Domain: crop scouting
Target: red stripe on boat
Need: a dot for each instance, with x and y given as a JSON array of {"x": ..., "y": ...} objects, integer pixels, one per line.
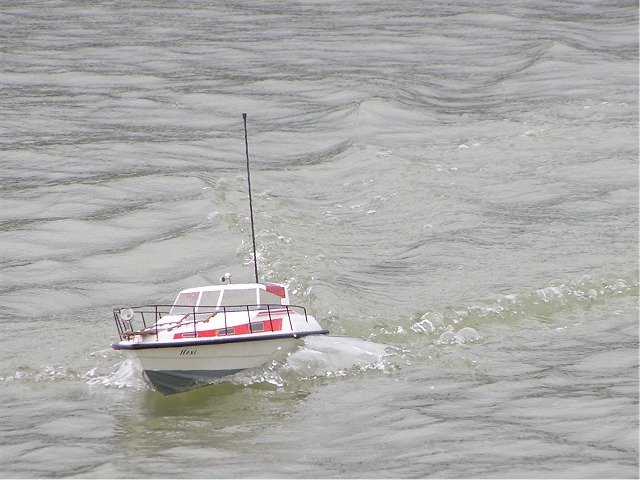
[
  {"x": 277, "y": 290},
  {"x": 273, "y": 325}
]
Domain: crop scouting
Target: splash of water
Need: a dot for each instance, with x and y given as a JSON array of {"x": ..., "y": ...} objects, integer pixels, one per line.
[
  {"x": 324, "y": 357},
  {"x": 128, "y": 375}
]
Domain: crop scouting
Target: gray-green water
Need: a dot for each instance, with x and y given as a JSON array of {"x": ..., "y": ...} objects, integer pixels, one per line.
[{"x": 450, "y": 187}]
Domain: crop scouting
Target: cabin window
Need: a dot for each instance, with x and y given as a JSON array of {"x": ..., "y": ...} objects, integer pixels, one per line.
[
  {"x": 268, "y": 298},
  {"x": 209, "y": 300},
  {"x": 185, "y": 303},
  {"x": 239, "y": 297},
  {"x": 227, "y": 331},
  {"x": 257, "y": 327}
]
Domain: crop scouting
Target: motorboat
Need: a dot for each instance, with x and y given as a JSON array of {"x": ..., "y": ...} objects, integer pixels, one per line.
[{"x": 213, "y": 331}]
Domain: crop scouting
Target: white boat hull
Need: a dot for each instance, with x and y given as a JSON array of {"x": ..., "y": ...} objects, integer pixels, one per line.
[{"x": 175, "y": 369}]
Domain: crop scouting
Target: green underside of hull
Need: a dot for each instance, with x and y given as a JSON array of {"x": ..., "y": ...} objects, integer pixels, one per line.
[{"x": 170, "y": 382}]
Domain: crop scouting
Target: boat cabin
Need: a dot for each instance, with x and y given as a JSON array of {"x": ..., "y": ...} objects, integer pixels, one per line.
[{"x": 229, "y": 296}]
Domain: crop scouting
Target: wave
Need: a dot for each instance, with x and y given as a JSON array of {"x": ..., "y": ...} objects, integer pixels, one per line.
[{"x": 463, "y": 324}]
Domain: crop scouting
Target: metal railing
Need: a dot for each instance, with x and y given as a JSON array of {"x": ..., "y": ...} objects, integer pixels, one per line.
[{"x": 148, "y": 319}]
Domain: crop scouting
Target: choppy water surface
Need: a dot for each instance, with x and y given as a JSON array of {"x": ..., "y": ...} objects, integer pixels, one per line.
[{"x": 451, "y": 188}]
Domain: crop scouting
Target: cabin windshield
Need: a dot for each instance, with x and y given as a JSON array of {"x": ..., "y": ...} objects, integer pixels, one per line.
[
  {"x": 185, "y": 303},
  {"x": 209, "y": 300},
  {"x": 247, "y": 296}
]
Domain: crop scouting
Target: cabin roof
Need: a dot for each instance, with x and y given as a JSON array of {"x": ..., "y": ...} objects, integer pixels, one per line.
[{"x": 233, "y": 286}]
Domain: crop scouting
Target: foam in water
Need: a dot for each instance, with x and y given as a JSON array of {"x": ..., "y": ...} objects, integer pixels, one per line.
[
  {"x": 464, "y": 335},
  {"x": 45, "y": 373}
]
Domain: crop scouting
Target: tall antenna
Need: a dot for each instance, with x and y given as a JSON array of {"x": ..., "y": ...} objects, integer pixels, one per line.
[{"x": 253, "y": 232}]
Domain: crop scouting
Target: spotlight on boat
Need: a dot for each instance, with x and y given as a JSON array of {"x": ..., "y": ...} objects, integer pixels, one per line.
[
  {"x": 226, "y": 278},
  {"x": 126, "y": 314}
]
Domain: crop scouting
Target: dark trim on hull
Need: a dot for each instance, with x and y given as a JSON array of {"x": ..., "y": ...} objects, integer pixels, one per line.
[
  {"x": 214, "y": 341},
  {"x": 170, "y": 382}
]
